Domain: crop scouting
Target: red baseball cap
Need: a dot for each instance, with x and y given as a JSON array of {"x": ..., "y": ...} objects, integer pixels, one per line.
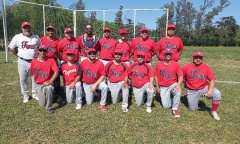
[
  {"x": 118, "y": 51},
  {"x": 70, "y": 51},
  {"x": 198, "y": 53},
  {"x": 123, "y": 31},
  {"x": 50, "y": 27},
  {"x": 68, "y": 30},
  {"x": 26, "y": 24},
  {"x": 43, "y": 47},
  {"x": 167, "y": 51},
  {"x": 91, "y": 50},
  {"x": 106, "y": 29},
  {"x": 141, "y": 53},
  {"x": 144, "y": 29},
  {"x": 171, "y": 26}
]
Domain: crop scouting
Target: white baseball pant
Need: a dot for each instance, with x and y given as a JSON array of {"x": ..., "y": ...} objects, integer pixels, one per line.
[
  {"x": 76, "y": 92},
  {"x": 45, "y": 95},
  {"x": 139, "y": 92}
]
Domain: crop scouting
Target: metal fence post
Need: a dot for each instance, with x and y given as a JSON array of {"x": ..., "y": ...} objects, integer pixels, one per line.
[{"x": 5, "y": 29}]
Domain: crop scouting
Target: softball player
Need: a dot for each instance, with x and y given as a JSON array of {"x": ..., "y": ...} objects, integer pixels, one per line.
[
  {"x": 27, "y": 45},
  {"x": 93, "y": 78},
  {"x": 71, "y": 72},
  {"x": 200, "y": 81},
  {"x": 117, "y": 73},
  {"x": 142, "y": 80},
  {"x": 45, "y": 71},
  {"x": 168, "y": 77}
]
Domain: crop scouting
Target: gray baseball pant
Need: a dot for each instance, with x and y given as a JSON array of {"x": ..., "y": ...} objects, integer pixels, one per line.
[
  {"x": 193, "y": 97},
  {"x": 167, "y": 100},
  {"x": 115, "y": 93},
  {"x": 139, "y": 92},
  {"x": 45, "y": 95},
  {"x": 90, "y": 95},
  {"x": 24, "y": 72},
  {"x": 72, "y": 93}
]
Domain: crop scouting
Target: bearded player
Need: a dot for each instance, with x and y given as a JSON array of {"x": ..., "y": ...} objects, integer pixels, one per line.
[{"x": 200, "y": 81}]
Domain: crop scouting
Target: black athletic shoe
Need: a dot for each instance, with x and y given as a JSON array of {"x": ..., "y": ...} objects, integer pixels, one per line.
[
  {"x": 50, "y": 111},
  {"x": 61, "y": 101}
]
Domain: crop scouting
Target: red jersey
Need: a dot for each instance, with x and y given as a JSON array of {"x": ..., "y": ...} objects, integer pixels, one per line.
[
  {"x": 43, "y": 71},
  {"x": 91, "y": 72},
  {"x": 148, "y": 46},
  {"x": 125, "y": 47},
  {"x": 167, "y": 74},
  {"x": 66, "y": 44},
  {"x": 87, "y": 42},
  {"x": 70, "y": 72},
  {"x": 197, "y": 76},
  {"x": 52, "y": 46},
  {"x": 140, "y": 74},
  {"x": 116, "y": 73},
  {"x": 106, "y": 47},
  {"x": 175, "y": 44}
]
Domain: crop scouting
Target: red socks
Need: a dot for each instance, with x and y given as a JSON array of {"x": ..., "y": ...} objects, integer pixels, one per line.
[{"x": 215, "y": 104}]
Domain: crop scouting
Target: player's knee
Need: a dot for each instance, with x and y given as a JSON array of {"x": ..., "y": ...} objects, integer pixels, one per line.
[
  {"x": 217, "y": 95},
  {"x": 166, "y": 106},
  {"x": 192, "y": 108}
]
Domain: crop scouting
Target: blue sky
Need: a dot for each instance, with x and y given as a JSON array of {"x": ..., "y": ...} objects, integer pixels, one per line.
[{"x": 232, "y": 10}]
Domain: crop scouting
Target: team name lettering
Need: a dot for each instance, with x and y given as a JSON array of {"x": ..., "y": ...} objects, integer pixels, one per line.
[
  {"x": 141, "y": 47},
  {"x": 114, "y": 73},
  {"x": 193, "y": 74},
  {"x": 69, "y": 72},
  {"x": 106, "y": 46},
  {"x": 69, "y": 46},
  {"x": 41, "y": 74},
  {"x": 27, "y": 46},
  {"x": 52, "y": 50},
  {"x": 88, "y": 73},
  {"x": 164, "y": 74},
  {"x": 169, "y": 45},
  {"x": 137, "y": 74},
  {"x": 124, "y": 52}
]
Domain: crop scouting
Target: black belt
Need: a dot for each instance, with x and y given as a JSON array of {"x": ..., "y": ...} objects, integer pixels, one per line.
[
  {"x": 148, "y": 61},
  {"x": 27, "y": 60},
  {"x": 107, "y": 59}
]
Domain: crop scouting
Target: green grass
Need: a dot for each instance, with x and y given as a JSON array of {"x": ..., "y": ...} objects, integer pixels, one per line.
[{"x": 29, "y": 123}]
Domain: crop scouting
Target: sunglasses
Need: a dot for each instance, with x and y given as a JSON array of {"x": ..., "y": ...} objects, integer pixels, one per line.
[
  {"x": 88, "y": 28},
  {"x": 71, "y": 55},
  {"x": 198, "y": 57},
  {"x": 92, "y": 53},
  {"x": 42, "y": 50},
  {"x": 69, "y": 32}
]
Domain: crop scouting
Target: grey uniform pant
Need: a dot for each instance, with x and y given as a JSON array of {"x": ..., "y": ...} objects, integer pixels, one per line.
[
  {"x": 90, "y": 95},
  {"x": 193, "y": 97},
  {"x": 169, "y": 97},
  {"x": 24, "y": 72},
  {"x": 74, "y": 93},
  {"x": 45, "y": 95},
  {"x": 115, "y": 93},
  {"x": 139, "y": 92}
]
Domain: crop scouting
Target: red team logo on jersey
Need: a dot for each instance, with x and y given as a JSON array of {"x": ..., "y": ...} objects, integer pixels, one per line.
[
  {"x": 141, "y": 47},
  {"x": 164, "y": 74},
  {"x": 169, "y": 45},
  {"x": 88, "y": 73},
  {"x": 104, "y": 45},
  {"x": 193, "y": 74},
  {"x": 65, "y": 72},
  {"x": 27, "y": 46},
  {"x": 40, "y": 73}
]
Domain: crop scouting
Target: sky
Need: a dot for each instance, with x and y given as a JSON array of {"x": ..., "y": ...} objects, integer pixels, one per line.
[{"x": 231, "y": 10}]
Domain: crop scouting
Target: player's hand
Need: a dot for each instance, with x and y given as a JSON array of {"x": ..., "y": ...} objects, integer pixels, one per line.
[
  {"x": 72, "y": 85},
  {"x": 125, "y": 85},
  {"x": 47, "y": 83},
  {"x": 158, "y": 89},
  {"x": 150, "y": 86},
  {"x": 177, "y": 88},
  {"x": 209, "y": 93},
  {"x": 93, "y": 88}
]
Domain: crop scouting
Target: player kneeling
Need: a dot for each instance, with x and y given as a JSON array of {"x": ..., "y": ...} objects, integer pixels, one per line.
[
  {"x": 142, "y": 80},
  {"x": 93, "y": 77},
  {"x": 168, "y": 76},
  {"x": 45, "y": 71},
  {"x": 116, "y": 71},
  {"x": 200, "y": 81},
  {"x": 71, "y": 72}
]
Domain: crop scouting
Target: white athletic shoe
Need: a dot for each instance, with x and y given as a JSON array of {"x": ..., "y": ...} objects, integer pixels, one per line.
[
  {"x": 125, "y": 109},
  {"x": 215, "y": 115},
  {"x": 79, "y": 106},
  {"x": 149, "y": 109},
  {"x": 35, "y": 96},
  {"x": 25, "y": 100}
]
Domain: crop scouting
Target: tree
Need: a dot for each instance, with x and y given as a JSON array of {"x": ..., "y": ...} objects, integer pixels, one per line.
[{"x": 118, "y": 19}]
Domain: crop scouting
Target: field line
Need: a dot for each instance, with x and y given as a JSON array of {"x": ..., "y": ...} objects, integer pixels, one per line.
[{"x": 230, "y": 82}]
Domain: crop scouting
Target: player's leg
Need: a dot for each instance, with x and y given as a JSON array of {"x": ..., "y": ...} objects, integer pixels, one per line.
[
  {"x": 49, "y": 98},
  {"x": 176, "y": 97},
  {"x": 23, "y": 67},
  {"x": 138, "y": 93},
  {"x": 69, "y": 94},
  {"x": 114, "y": 88},
  {"x": 89, "y": 95},
  {"x": 165, "y": 97},
  {"x": 41, "y": 95},
  {"x": 125, "y": 94},
  {"x": 150, "y": 93},
  {"x": 78, "y": 89},
  {"x": 104, "y": 88},
  {"x": 193, "y": 98}
]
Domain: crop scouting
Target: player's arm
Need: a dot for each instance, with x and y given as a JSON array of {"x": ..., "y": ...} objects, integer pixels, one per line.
[
  {"x": 181, "y": 47},
  {"x": 211, "y": 86},
  {"x": 178, "y": 86},
  {"x": 125, "y": 83},
  {"x": 94, "y": 86},
  {"x": 50, "y": 82},
  {"x": 157, "y": 86},
  {"x": 72, "y": 85},
  {"x": 13, "y": 51},
  {"x": 151, "y": 83}
]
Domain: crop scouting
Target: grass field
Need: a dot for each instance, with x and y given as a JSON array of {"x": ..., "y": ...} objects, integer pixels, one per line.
[{"x": 29, "y": 123}]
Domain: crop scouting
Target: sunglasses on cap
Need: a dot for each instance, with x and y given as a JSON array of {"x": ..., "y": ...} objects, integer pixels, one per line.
[
  {"x": 42, "y": 50},
  {"x": 92, "y": 53},
  {"x": 88, "y": 29}
]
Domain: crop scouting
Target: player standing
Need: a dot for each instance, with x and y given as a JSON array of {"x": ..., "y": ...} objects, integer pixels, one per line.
[
  {"x": 200, "y": 81},
  {"x": 117, "y": 73},
  {"x": 168, "y": 77},
  {"x": 93, "y": 78},
  {"x": 142, "y": 80},
  {"x": 171, "y": 42},
  {"x": 71, "y": 72},
  {"x": 45, "y": 71},
  {"x": 145, "y": 44},
  {"x": 27, "y": 45}
]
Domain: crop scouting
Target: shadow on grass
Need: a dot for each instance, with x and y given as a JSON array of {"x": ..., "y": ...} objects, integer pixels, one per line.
[{"x": 201, "y": 105}]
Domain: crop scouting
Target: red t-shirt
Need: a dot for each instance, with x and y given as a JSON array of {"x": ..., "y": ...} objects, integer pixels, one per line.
[
  {"x": 43, "y": 71},
  {"x": 106, "y": 47},
  {"x": 197, "y": 77},
  {"x": 70, "y": 72},
  {"x": 148, "y": 46},
  {"x": 91, "y": 72},
  {"x": 52, "y": 46},
  {"x": 140, "y": 74},
  {"x": 167, "y": 74},
  {"x": 84, "y": 47},
  {"x": 175, "y": 44},
  {"x": 125, "y": 47},
  {"x": 116, "y": 73},
  {"x": 66, "y": 44}
]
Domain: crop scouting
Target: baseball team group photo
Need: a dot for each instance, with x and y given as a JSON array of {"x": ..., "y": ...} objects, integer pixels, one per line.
[{"x": 130, "y": 83}]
